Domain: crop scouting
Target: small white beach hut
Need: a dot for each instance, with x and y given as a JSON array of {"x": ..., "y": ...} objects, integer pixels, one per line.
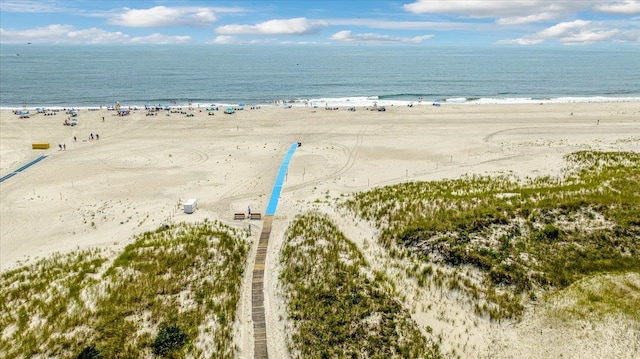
[{"x": 190, "y": 205}]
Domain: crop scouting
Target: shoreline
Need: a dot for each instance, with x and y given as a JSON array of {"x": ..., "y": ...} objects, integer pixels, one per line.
[{"x": 348, "y": 101}]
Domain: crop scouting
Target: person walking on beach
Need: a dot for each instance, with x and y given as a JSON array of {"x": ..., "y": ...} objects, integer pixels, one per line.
[
  {"x": 97, "y": 136},
  {"x": 64, "y": 146},
  {"x": 75, "y": 139},
  {"x": 249, "y": 210}
]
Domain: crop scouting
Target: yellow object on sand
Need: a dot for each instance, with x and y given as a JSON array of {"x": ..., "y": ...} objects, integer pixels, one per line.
[{"x": 40, "y": 146}]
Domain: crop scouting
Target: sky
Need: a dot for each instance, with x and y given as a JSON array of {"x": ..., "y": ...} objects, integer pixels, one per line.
[{"x": 408, "y": 22}]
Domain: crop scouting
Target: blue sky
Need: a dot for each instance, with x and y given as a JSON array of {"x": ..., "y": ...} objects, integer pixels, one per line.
[{"x": 410, "y": 22}]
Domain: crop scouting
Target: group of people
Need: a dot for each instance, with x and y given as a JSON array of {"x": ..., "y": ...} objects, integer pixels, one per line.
[
  {"x": 91, "y": 137},
  {"x": 63, "y": 146}
]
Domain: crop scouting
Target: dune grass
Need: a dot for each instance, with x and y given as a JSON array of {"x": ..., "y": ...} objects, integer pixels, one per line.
[
  {"x": 522, "y": 236},
  {"x": 598, "y": 296},
  {"x": 42, "y": 306},
  {"x": 338, "y": 308},
  {"x": 183, "y": 278}
]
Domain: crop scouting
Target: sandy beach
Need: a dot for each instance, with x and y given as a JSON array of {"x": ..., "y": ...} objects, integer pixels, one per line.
[{"x": 100, "y": 192}]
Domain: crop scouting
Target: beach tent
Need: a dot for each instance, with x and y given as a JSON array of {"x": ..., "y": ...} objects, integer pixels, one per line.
[{"x": 229, "y": 110}]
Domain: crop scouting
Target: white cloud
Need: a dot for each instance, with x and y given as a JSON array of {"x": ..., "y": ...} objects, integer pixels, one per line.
[
  {"x": 410, "y": 25},
  {"x": 156, "y": 38},
  {"x": 493, "y": 8},
  {"x": 527, "y": 40},
  {"x": 224, "y": 39},
  {"x": 510, "y": 12},
  {"x": 564, "y": 29},
  {"x": 518, "y": 20},
  {"x": 370, "y": 38},
  {"x": 301, "y": 43},
  {"x": 67, "y": 34},
  {"x": 517, "y": 12},
  {"x": 578, "y": 32},
  {"x": 296, "y": 26},
  {"x": 628, "y": 7},
  {"x": 29, "y": 6},
  {"x": 162, "y": 16}
]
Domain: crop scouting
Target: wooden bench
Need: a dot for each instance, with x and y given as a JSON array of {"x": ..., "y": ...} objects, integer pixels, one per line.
[
  {"x": 256, "y": 216},
  {"x": 238, "y": 216}
]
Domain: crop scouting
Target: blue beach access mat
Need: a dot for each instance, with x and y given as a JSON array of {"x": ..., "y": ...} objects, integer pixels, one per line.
[
  {"x": 6, "y": 177},
  {"x": 277, "y": 186}
]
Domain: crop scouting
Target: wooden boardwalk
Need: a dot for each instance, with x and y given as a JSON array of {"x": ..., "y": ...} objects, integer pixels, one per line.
[
  {"x": 257, "y": 283},
  {"x": 257, "y": 294}
]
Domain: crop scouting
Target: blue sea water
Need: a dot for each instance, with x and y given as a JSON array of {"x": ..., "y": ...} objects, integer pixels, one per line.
[{"x": 135, "y": 75}]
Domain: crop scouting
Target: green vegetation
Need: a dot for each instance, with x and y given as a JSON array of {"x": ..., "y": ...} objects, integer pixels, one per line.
[
  {"x": 90, "y": 352},
  {"x": 179, "y": 284},
  {"x": 337, "y": 306},
  {"x": 170, "y": 339},
  {"x": 523, "y": 237},
  {"x": 598, "y": 296},
  {"x": 42, "y": 306}
]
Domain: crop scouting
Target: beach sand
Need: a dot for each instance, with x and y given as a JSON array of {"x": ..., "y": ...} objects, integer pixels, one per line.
[{"x": 98, "y": 193}]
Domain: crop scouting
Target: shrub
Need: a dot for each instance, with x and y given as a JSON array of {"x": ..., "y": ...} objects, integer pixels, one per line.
[
  {"x": 549, "y": 233},
  {"x": 89, "y": 352},
  {"x": 170, "y": 338}
]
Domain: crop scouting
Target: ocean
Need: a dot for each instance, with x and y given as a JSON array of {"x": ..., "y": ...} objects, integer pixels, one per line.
[{"x": 139, "y": 75}]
